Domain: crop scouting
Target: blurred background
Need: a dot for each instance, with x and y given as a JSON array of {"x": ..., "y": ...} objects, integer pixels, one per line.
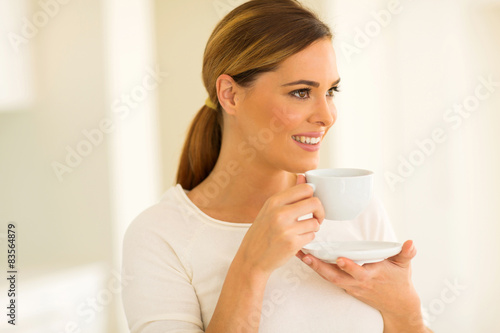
[{"x": 96, "y": 98}]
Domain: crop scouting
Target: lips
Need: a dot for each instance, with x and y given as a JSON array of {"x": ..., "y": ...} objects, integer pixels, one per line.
[{"x": 309, "y": 141}]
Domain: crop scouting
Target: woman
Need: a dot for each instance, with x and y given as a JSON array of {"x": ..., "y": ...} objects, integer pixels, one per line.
[{"x": 221, "y": 252}]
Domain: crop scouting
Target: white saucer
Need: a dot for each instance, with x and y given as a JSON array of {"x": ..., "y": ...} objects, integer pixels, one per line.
[{"x": 361, "y": 252}]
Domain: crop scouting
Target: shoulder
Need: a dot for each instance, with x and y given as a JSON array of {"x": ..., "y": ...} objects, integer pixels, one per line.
[{"x": 169, "y": 219}]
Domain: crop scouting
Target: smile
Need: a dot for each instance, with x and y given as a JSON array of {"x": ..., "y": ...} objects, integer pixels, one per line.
[{"x": 307, "y": 140}]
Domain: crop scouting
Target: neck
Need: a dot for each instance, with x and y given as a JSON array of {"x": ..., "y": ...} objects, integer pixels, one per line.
[{"x": 240, "y": 186}]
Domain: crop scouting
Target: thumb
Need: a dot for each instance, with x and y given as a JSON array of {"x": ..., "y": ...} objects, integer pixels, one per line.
[
  {"x": 301, "y": 179},
  {"x": 408, "y": 252}
]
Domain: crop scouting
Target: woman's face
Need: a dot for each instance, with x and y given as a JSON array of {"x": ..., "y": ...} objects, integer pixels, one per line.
[{"x": 283, "y": 117}]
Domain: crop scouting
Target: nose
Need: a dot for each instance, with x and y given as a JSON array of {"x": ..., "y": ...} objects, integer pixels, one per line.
[{"x": 325, "y": 112}]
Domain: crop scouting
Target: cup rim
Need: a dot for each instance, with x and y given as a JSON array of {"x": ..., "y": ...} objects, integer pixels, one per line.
[{"x": 363, "y": 173}]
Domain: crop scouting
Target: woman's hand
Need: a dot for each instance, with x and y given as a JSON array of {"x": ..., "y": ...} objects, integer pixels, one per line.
[
  {"x": 276, "y": 234},
  {"x": 385, "y": 285}
]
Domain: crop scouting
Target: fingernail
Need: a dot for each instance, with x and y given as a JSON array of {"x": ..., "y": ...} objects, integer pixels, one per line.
[
  {"x": 307, "y": 260},
  {"x": 340, "y": 263}
]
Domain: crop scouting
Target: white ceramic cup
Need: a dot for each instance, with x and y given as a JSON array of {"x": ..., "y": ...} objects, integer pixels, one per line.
[{"x": 344, "y": 193}]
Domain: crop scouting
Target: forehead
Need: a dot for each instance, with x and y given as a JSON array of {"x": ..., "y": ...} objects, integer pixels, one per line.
[{"x": 316, "y": 62}]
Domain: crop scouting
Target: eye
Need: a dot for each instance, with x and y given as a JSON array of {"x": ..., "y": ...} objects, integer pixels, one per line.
[
  {"x": 301, "y": 93},
  {"x": 332, "y": 90}
]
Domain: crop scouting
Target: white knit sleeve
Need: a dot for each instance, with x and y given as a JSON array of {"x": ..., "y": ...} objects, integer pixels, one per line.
[{"x": 158, "y": 296}]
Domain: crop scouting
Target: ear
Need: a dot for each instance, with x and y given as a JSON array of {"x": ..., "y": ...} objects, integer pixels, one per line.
[{"x": 227, "y": 90}]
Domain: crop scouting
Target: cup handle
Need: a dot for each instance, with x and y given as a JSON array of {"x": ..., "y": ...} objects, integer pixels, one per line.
[{"x": 313, "y": 186}]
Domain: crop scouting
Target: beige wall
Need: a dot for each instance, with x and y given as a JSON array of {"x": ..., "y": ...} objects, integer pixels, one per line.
[
  {"x": 59, "y": 219},
  {"x": 396, "y": 92},
  {"x": 182, "y": 29},
  {"x": 63, "y": 224}
]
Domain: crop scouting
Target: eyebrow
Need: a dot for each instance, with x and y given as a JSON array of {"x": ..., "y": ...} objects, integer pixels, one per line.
[{"x": 308, "y": 82}]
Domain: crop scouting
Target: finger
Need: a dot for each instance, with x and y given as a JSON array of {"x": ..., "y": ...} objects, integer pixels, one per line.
[
  {"x": 306, "y": 226},
  {"x": 307, "y": 206},
  {"x": 306, "y": 238},
  {"x": 293, "y": 194},
  {"x": 300, "y": 254},
  {"x": 408, "y": 252},
  {"x": 350, "y": 267},
  {"x": 329, "y": 272},
  {"x": 301, "y": 179}
]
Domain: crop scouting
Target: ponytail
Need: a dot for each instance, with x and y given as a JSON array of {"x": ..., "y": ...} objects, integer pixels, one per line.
[{"x": 201, "y": 148}]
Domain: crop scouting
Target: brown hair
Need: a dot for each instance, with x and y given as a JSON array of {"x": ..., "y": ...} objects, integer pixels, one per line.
[{"x": 252, "y": 39}]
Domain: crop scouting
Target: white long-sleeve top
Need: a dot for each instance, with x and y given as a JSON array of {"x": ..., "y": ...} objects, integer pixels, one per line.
[{"x": 176, "y": 258}]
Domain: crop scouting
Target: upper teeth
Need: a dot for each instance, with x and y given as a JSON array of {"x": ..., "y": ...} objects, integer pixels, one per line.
[{"x": 306, "y": 139}]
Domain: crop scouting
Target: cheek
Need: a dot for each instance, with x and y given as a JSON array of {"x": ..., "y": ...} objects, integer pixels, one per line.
[{"x": 286, "y": 118}]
